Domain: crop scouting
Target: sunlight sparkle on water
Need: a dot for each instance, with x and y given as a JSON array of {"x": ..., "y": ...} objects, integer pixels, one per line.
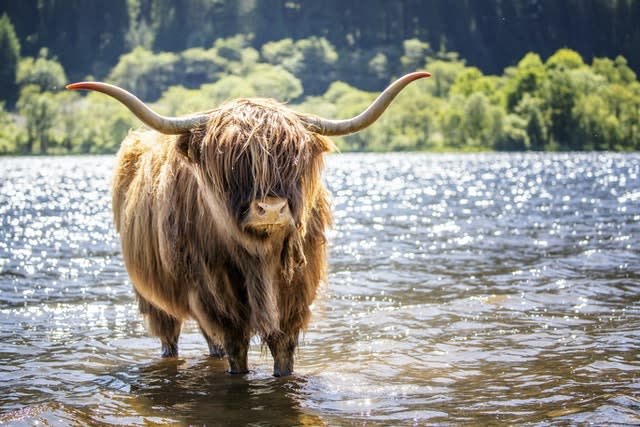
[{"x": 482, "y": 289}]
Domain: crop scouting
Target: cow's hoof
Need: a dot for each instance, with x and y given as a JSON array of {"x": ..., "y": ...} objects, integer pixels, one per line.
[
  {"x": 217, "y": 352},
  {"x": 238, "y": 372},
  {"x": 282, "y": 372},
  {"x": 169, "y": 350}
]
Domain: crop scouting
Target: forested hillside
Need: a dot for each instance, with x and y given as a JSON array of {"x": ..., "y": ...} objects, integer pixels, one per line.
[
  {"x": 88, "y": 37},
  {"x": 508, "y": 75}
]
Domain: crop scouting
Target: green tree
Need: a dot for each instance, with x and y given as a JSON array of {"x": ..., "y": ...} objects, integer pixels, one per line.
[
  {"x": 451, "y": 123},
  {"x": 476, "y": 121},
  {"x": 313, "y": 60},
  {"x": 415, "y": 55},
  {"x": 8, "y": 132},
  {"x": 9, "y": 58},
  {"x": 66, "y": 121},
  {"x": 411, "y": 127},
  {"x": 274, "y": 82},
  {"x": 237, "y": 54},
  {"x": 529, "y": 77},
  {"x": 179, "y": 100},
  {"x": 100, "y": 123},
  {"x": 471, "y": 80},
  {"x": 379, "y": 65},
  {"x": 198, "y": 66},
  {"x": 621, "y": 107},
  {"x": 444, "y": 74},
  {"x": 227, "y": 88},
  {"x": 585, "y": 81},
  {"x": 530, "y": 108},
  {"x": 144, "y": 73},
  {"x": 596, "y": 127},
  {"x": 615, "y": 71},
  {"x": 39, "y": 110},
  {"x": 511, "y": 135},
  {"x": 631, "y": 118},
  {"x": 45, "y": 73},
  {"x": 283, "y": 53},
  {"x": 565, "y": 59},
  {"x": 318, "y": 64},
  {"x": 562, "y": 98}
]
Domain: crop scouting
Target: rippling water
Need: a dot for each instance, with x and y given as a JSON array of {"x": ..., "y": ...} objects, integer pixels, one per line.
[{"x": 479, "y": 289}]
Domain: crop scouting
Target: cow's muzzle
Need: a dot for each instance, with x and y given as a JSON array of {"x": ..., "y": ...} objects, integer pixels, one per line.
[{"x": 268, "y": 215}]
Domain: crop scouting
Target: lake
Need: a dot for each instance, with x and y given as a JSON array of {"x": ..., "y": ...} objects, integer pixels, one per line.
[{"x": 463, "y": 289}]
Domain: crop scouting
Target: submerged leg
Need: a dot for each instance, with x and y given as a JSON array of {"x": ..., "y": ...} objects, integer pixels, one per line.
[
  {"x": 162, "y": 325},
  {"x": 236, "y": 345},
  {"x": 232, "y": 333},
  {"x": 294, "y": 301},
  {"x": 215, "y": 349},
  {"x": 283, "y": 347}
]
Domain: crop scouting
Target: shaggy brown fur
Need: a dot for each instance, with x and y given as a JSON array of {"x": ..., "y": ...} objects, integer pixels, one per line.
[{"x": 179, "y": 204}]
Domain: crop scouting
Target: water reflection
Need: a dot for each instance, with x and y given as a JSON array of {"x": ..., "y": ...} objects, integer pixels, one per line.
[
  {"x": 199, "y": 391},
  {"x": 475, "y": 289}
]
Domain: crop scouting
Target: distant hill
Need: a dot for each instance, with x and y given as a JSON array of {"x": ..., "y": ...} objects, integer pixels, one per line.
[{"x": 88, "y": 37}]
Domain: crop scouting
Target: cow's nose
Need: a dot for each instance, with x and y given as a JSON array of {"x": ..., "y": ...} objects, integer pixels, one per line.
[{"x": 270, "y": 211}]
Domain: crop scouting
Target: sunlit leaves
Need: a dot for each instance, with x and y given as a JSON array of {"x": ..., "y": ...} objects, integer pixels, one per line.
[
  {"x": 45, "y": 73},
  {"x": 100, "y": 124},
  {"x": 145, "y": 73},
  {"x": 284, "y": 53},
  {"x": 7, "y": 132},
  {"x": 444, "y": 75},
  {"x": 274, "y": 82},
  {"x": 471, "y": 80},
  {"x": 312, "y": 60},
  {"x": 562, "y": 103},
  {"x": 40, "y": 111},
  {"x": 565, "y": 59},
  {"x": 415, "y": 53},
  {"x": 615, "y": 71},
  {"x": 529, "y": 77}
]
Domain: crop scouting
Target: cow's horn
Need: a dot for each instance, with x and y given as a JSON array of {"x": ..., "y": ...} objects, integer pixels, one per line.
[
  {"x": 166, "y": 125},
  {"x": 367, "y": 117}
]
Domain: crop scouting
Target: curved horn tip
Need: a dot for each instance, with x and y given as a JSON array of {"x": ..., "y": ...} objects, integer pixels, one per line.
[
  {"x": 418, "y": 75},
  {"x": 78, "y": 86}
]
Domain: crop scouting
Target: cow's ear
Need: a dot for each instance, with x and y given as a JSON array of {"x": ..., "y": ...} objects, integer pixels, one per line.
[{"x": 188, "y": 146}]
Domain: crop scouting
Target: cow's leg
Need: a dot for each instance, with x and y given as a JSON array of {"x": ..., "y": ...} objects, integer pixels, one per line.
[
  {"x": 236, "y": 345},
  {"x": 234, "y": 334},
  {"x": 215, "y": 349},
  {"x": 293, "y": 302},
  {"x": 162, "y": 325},
  {"x": 283, "y": 346}
]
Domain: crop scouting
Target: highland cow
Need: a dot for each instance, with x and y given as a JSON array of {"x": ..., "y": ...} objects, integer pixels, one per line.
[{"x": 222, "y": 218}]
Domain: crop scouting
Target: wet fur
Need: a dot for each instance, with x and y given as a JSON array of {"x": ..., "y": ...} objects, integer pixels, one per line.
[{"x": 178, "y": 204}]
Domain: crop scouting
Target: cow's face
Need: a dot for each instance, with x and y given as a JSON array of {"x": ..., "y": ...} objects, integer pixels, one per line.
[{"x": 264, "y": 165}]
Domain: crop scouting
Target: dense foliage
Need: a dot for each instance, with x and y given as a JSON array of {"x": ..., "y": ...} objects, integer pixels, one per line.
[
  {"x": 88, "y": 37},
  {"x": 189, "y": 55}
]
